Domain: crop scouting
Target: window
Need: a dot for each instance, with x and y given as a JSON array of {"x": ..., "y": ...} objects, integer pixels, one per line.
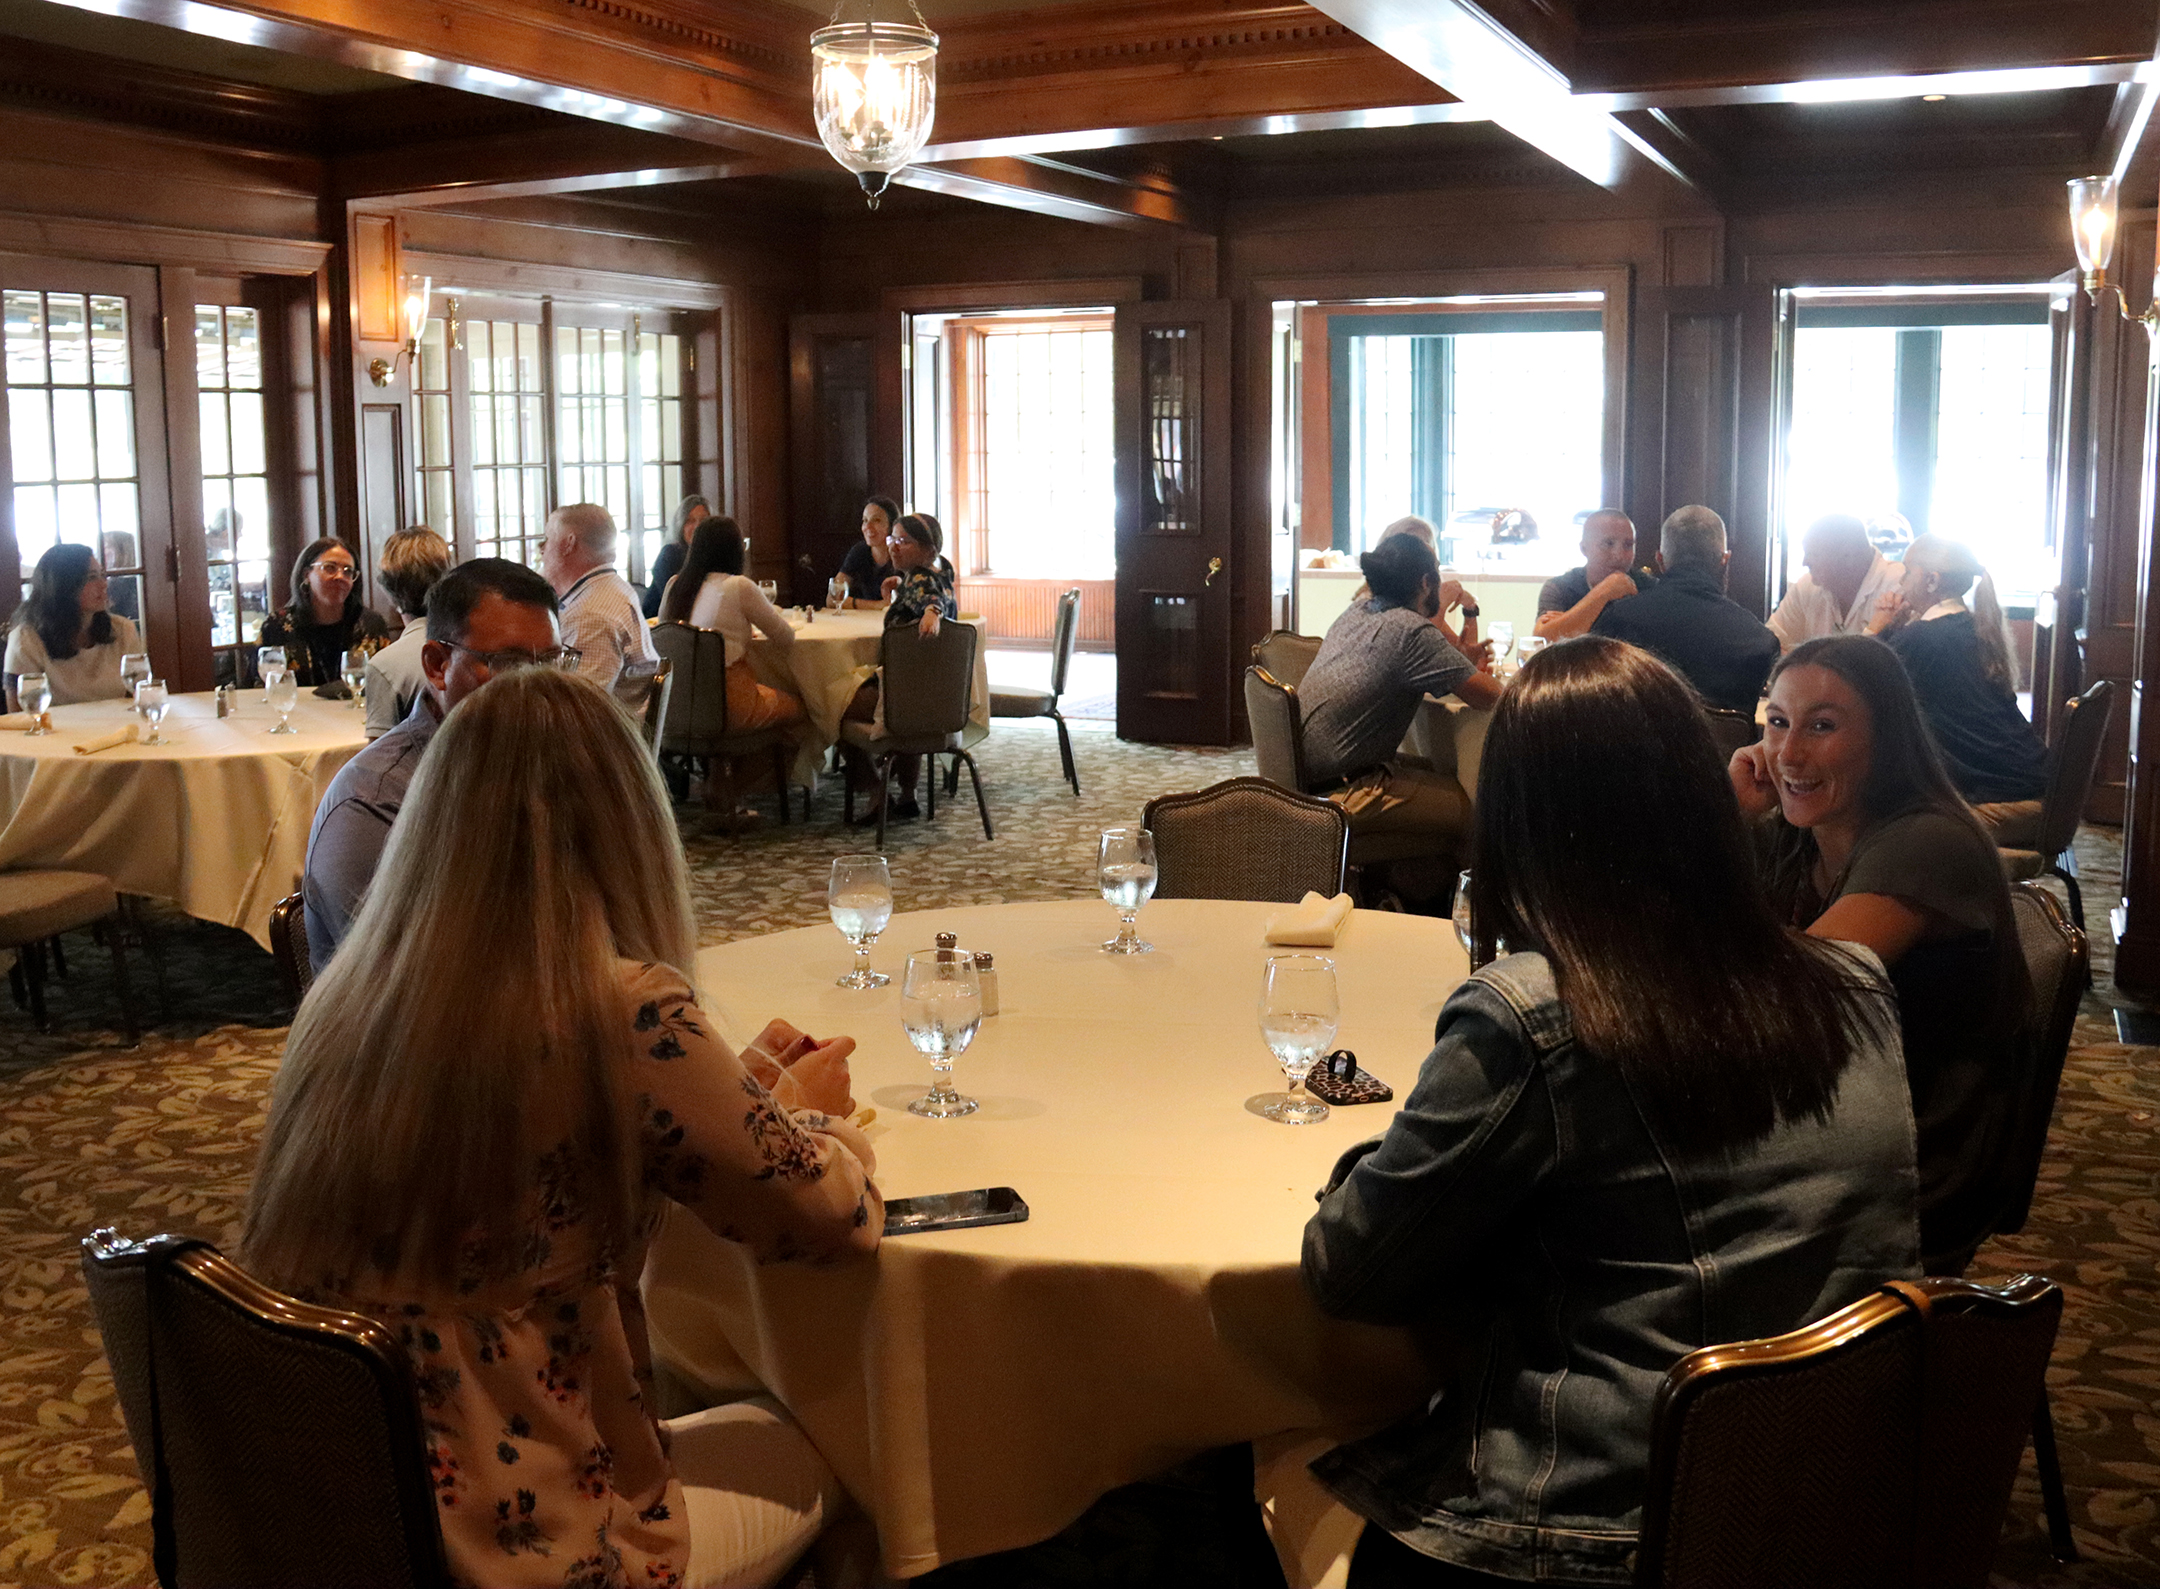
[
  {"x": 235, "y": 474},
  {"x": 509, "y": 449},
  {"x": 592, "y": 424},
  {"x": 660, "y": 437}
]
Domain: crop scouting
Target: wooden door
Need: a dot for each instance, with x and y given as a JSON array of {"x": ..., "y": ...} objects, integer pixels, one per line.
[
  {"x": 1174, "y": 541},
  {"x": 832, "y": 400},
  {"x": 1702, "y": 421},
  {"x": 83, "y": 404}
]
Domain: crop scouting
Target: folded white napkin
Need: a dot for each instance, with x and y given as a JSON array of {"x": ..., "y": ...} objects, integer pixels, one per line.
[
  {"x": 18, "y": 722},
  {"x": 119, "y": 736},
  {"x": 1311, "y": 923}
]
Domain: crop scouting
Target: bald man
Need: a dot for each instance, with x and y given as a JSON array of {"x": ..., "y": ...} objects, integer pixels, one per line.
[
  {"x": 601, "y": 617},
  {"x": 1570, "y": 603},
  {"x": 1837, "y": 594},
  {"x": 1686, "y": 618}
]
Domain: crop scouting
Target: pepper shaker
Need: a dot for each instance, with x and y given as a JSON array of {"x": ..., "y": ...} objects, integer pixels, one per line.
[{"x": 986, "y": 979}]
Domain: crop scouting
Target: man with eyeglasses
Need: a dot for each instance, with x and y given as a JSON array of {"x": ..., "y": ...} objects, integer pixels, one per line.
[{"x": 484, "y": 617}]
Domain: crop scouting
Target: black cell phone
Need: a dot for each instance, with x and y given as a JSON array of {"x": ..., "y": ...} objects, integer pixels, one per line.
[{"x": 988, "y": 1205}]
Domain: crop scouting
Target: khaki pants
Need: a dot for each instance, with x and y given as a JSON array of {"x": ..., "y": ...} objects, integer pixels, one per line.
[
  {"x": 1414, "y": 816},
  {"x": 2013, "y": 824}
]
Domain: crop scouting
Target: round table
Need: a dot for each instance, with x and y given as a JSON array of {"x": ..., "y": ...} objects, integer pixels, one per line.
[
  {"x": 832, "y": 654},
  {"x": 217, "y": 821},
  {"x": 976, "y": 1390}
]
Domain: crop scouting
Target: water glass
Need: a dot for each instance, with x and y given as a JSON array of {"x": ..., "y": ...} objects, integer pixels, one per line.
[
  {"x": 34, "y": 690},
  {"x": 284, "y": 696},
  {"x": 941, "y": 1010},
  {"x": 1466, "y": 925},
  {"x": 1529, "y": 646},
  {"x": 1125, "y": 867},
  {"x": 151, "y": 699},
  {"x": 1502, "y": 635},
  {"x": 352, "y": 668},
  {"x": 270, "y": 665},
  {"x": 770, "y": 590},
  {"x": 836, "y": 593},
  {"x": 860, "y": 899},
  {"x": 1299, "y": 1012},
  {"x": 134, "y": 668}
]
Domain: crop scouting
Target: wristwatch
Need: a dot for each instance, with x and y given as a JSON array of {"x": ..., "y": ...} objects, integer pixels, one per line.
[{"x": 1468, "y": 609}]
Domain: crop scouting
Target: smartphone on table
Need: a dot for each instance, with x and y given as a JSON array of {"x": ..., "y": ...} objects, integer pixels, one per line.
[{"x": 988, "y": 1205}]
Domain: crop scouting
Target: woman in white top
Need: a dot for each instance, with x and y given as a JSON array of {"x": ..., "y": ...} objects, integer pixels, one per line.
[
  {"x": 711, "y": 593},
  {"x": 64, "y": 631}
]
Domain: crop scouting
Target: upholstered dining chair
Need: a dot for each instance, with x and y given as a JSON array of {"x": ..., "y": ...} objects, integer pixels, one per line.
[
  {"x": 1873, "y": 1449},
  {"x": 289, "y": 945},
  {"x": 693, "y": 720},
  {"x": 280, "y": 1442},
  {"x": 1730, "y": 729},
  {"x": 1246, "y": 838},
  {"x": 926, "y": 693},
  {"x": 37, "y": 906},
  {"x": 1286, "y": 655},
  {"x": 656, "y": 704},
  {"x": 2070, "y": 779},
  {"x": 1278, "y": 734},
  {"x": 1016, "y": 701}
]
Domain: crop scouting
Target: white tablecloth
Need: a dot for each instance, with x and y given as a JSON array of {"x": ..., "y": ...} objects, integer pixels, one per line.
[
  {"x": 832, "y": 655},
  {"x": 217, "y": 821},
  {"x": 976, "y": 1390}
]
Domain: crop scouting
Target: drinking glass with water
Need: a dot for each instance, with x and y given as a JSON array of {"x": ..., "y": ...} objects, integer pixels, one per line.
[
  {"x": 1125, "y": 867},
  {"x": 1299, "y": 1011},
  {"x": 284, "y": 696},
  {"x": 151, "y": 699},
  {"x": 352, "y": 668},
  {"x": 270, "y": 663},
  {"x": 941, "y": 1010},
  {"x": 34, "y": 690},
  {"x": 860, "y": 899},
  {"x": 134, "y": 668}
]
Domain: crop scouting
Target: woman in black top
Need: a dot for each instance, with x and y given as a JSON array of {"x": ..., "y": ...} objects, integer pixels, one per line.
[
  {"x": 1865, "y": 839},
  {"x": 326, "y": 618},
  {"x": 690, "y": 512},
  {"x": 922, "y": 598},
  {"x": 868, "y": 563}
]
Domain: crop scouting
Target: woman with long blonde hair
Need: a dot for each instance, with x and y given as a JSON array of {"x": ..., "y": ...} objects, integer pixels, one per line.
[
  {"x": 1947, "y": 627},
  {"x": 483, "y": 1104}
]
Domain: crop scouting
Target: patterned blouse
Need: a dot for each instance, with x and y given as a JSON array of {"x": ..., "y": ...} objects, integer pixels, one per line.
[
  {"x": 548, "y": 1467},
  {"x": 918, "y": 591}
]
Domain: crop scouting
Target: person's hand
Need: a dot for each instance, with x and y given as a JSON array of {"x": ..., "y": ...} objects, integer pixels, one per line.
[
  {"x": 1890, "y": 611},
  {"x": 1480, "y": 656},
  {"x": 1451, "y": 594},
  {"x": 818, "y": 1079},
  {"x": 888, "y": 585},
  {"x": 1613, "y": 587},
  {"x": 1754, "y": 781},
  {"x": 929, "y": 624}
]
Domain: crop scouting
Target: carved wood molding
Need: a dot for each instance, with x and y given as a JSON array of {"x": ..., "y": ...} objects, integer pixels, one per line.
[
  {"x": 1150, "y": 33},
  {"x": 518, "y": 279},
  {"x": 762, "y": 40},
  {"x": 57, "y": 80},
  {"x": 130, "y": 242}
]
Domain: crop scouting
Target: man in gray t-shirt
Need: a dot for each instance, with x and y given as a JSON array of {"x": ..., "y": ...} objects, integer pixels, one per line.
[{"x": 1380, "y": 659}]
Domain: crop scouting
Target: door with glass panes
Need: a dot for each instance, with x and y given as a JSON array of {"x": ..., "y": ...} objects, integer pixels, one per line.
[{"x": 84, "y": 433}]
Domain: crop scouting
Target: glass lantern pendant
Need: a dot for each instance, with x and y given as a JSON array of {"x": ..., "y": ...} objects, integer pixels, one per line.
[{"x": 875, "y": 94}]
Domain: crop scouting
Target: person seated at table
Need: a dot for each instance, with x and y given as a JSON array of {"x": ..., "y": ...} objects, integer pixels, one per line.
[
  {"x": 690, "y": 512},
  {"x": 325, "y": 618},
  {"x": 601, "y": 619},
  {"x": 1957, "y": 654},
  {"x": 485, "y": 617},
  {"x": 1846, "y": 576},
  {"x": 1568, "y": 604},
  {"x": 1464, "y": 639},
  {"x": 65, "y": 630},
  {"x": 1666, "y": 1121},
  {"x": 1865, "y": 839},
  {"x": 412, "y": 561},
  {"x": 485, "y": 1103},
  {"x": 919, "y": 593},
  {"x": 712, "y": 593},
  {"x": 869, "y": 560},
  {"x": 1375, "y": 666},
  {"x": 1686, "y": 618}
]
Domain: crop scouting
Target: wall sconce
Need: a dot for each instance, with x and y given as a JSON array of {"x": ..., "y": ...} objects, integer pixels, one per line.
[
  {"x": 2093, "y": 203},
  {"x": 416, "y": 308},
  {"x": 874, "y": 93}
]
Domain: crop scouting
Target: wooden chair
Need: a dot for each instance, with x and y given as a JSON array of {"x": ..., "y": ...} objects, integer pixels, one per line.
[
  {"x": 2062, "y": 807},
  {"x": 693, "y": 717},
  {"x": 1014, "y": 701},
  {"x": 280, "y": 1442},
  {"x": 927, "y": 690},
  {"x": 1286, "y": 655},
  {"x": 36, "y": 907},
  {"x": 1872, "y": 1449},
  {"x": 1247, "y": 839},
  {"x": 289, "y": 946},
  {"x": 656, "y": 705}
]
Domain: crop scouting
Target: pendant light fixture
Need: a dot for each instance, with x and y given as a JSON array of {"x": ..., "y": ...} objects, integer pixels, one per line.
[{"x": 874, "y": 93}]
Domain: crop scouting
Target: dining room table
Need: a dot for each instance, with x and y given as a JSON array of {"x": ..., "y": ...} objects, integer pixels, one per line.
[
  {"x": 216, "y": 819},
  {"x": 976, "y": 1390},
  {"x": 833, "y": 652}
]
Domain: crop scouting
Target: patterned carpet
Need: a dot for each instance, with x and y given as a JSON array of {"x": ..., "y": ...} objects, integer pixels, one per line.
[{"x": 161, "y": 1137}]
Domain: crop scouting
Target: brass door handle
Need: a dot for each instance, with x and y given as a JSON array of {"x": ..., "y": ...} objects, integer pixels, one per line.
[{"x": 1214, "y": 567}]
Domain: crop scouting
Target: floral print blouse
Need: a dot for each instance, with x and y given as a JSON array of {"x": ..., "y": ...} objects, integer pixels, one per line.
[
  {"x": 548, "y": 1466},
  {"x": 919, "y": 590}
]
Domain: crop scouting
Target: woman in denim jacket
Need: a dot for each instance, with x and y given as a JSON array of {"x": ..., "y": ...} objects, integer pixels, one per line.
[{"x": 1665, "y": 1122}]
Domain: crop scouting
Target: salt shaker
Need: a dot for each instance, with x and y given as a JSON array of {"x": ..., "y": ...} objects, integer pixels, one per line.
[
  {"x": 947, "y": 941},
  {"x": 986, "y": 980},
  {"x": 223, "y": 696}
]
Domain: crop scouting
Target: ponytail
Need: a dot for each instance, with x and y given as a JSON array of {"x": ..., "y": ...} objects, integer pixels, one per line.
[{"x": 1960, "y": 572}]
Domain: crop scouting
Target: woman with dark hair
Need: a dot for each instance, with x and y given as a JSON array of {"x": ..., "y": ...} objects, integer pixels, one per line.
[
  {"x": 1865, "y": 839},
  {"x": 326, "y": 618},
  {"x": 65, "y": 630},
  {"x": 1664, "y": 1121},
  {"x": 690, "y": 512},
  {"x": 711, "y": 593},
  {"x": 919, "y": 594},
  {"x": 869, "y": 561}
]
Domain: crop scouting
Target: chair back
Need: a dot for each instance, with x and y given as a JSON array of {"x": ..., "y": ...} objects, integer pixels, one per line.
[
  {"x": 1876, "y": 1447},
  {"x": 656, "y": 704},
  {"x": 1247, "y": 838},
  {"x": 281, "y": 1442},
  {"x": 1731, "y": 729},
  {"x": 1063, "y": 636},
  {"x": 2076, "y": 762},
  {"x": 2056, "y": 958},
  {"x": 1287, "y": 655},
  {"x": 289, "y": 945},
  {"x": 928, "y": 682},
  {"x": 1278, "y": 732},
  {"x": 694, "y": 713}
]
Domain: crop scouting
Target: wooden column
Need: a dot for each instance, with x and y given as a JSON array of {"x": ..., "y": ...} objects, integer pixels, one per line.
[{"x": 2136, "y": 918}]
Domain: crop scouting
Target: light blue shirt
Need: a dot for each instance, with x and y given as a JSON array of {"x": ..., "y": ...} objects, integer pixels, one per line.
[{"x": 352, "y": 828}]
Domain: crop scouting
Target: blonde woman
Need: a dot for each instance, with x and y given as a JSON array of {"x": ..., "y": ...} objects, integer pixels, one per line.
[
  {"x": 1947, "y": 627},
  {"x": 483, "y": 1103}
]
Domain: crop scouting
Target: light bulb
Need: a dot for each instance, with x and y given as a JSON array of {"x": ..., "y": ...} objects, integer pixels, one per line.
[{"x": 2092, "y": 224}]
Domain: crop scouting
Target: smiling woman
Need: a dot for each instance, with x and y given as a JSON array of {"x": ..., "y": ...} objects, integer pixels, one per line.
[{"x": 325, "y": 618}]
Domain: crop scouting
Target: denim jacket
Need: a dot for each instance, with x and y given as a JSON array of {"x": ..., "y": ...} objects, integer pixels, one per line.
[{"x": 1521, "y": 1196}]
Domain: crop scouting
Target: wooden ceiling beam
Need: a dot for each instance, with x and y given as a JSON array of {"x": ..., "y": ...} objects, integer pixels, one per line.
[
  {"x": 1047, "y": 187},
  {"x": 576, "y": 158}
]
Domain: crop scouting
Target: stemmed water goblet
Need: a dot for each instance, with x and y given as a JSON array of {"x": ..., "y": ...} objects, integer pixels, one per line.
[
  {"x": 1125, "y": 867},
  {"x": 1466, "y": 926},
  {"x": 860, "y": 899},
  {"x": 270, "y": 663},
  {"x": 34, "y": 690},
  {"x": 1502, "y": 635},
  {"x": 1299, "y": 1012},
  {"x": 352, "y": 668},
  {"x": 941, "y": 1009},
  {"x": 151, "y": 699},
  {"x": 836, "y": 593},
  {"x": 284, "y": 696},
  {"x": 770, "y": 590},
  {"x": 134, "y": 668}
]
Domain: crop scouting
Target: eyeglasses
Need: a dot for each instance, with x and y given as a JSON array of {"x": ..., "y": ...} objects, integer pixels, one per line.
[
  {"x": 335, "y": 570},
  {"x": 564, "y": 657}
]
